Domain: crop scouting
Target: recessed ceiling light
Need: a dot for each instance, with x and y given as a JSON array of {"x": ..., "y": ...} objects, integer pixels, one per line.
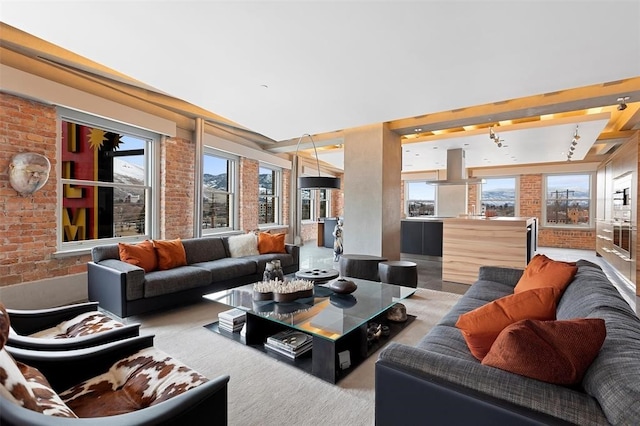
[
  {"x": 264, "y": 86},
  {"x": 417, "y": 129},
  {"x": 435, "y": 147},
  {"x": 466, "y": 144}
]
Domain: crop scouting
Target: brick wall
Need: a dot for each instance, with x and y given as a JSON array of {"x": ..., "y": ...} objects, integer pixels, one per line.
[
  {"x": 472, "y": 198},
  {"x": 248, "y": 194},
  {"x": 28, "y": 230},
  {"x": 177, "y": 188}
]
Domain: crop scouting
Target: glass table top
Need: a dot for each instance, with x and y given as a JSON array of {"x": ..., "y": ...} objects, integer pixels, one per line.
[{"x": 326, "y": 314}]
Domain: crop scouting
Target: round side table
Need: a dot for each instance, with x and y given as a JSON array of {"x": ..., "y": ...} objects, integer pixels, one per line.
[
  {"x": 361, "y": 266},
  {"x": 318, "y": 276},
  {"x": 399, "y": 272}
]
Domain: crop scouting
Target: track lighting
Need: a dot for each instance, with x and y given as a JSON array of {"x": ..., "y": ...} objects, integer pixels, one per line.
[
  {"x": 574, "y": 143},
  {"x": 495, "y": 137},
  {"x": 622, "y": 103}
]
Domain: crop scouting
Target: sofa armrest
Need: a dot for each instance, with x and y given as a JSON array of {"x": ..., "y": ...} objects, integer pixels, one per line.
[
  {"x": 294, "y": 251},
  {"x": 471, "y": 386},
  {"x": 30, "y": 321},
  {"x": 508, "y": 276},
  {"x": 79, "y": 342},
  {"x": 112, "y": 282},
  {"x": 66, "y": 368},
  {"x": 203, "y": 405}
]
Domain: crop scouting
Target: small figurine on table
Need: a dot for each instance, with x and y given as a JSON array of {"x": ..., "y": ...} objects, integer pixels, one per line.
[{"x": 337, "y": 241}]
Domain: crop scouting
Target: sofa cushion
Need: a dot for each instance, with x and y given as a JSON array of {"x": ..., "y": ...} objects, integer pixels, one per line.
[
  {"x": 170, "y": 253},
  {"x": 84, "y": 324},
  {"x": 545, "y": 272},
  {"x": 174, "y": 280},
  {"x": 228, "y": 268},
  {"x": 552, "y": 351},
  {"x": 481, "y": 326},
  {"x": 271, "y": 243},
  {"x": 203, "y": 249},
  {"x": 262, "y": 259},
  {"x": 142, "y": 254},
  {"x": 143, "y": 379},
  {"x": 243, "y": 245}
]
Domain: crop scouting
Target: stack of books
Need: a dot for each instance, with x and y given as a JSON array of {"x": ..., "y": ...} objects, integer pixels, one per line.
[
  {"x": 290, "y": 343},
  {"x": 232, "y": 320}
]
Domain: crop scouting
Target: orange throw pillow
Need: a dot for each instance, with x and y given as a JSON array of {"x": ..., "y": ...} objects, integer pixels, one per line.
[
  {"x": 142, "y": 254},
  {"x": 271, "y": 243},
  {"x": 545, "y": 272},
  {"x": 557, "y": 352},
  {"x": 171, "y": 254},
  {"x": 481, "y": 327}
]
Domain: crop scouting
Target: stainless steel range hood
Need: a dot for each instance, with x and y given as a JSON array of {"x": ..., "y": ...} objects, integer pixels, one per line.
[{"x": 456, "y": 169}]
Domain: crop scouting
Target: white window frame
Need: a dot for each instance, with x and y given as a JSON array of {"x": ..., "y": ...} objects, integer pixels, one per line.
[
  {"x": 151, "y": 164},
  {"x": 232, "y": 189},
  {"x": 545, "y": 195},
  {"x": 314, "y": 205},
  {"x": 277, "y": 194}
]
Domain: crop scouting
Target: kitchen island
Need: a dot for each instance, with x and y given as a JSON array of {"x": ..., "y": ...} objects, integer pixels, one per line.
[{"x": 471, "y": 242}]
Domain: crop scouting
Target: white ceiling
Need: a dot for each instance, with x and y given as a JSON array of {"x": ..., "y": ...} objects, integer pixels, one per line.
[{"x": 334, "y": 65}]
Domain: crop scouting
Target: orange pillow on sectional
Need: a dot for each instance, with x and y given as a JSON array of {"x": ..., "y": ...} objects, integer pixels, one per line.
[
  {"x": 545, "y": 272},
  {"x": 481, "y": 327},
  {"x": 557, "y": 352},
  {"x": 142, "y": 254},
  {"x": 271, "y": 243},
  {"x": 171, "y": 254}
]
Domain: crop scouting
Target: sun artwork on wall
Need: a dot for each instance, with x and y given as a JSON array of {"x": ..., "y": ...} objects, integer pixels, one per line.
[{"x": 96, "y": 138}]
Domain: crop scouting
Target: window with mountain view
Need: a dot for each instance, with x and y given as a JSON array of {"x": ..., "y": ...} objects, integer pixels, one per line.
[
  {"x": 105, "y": 189},
  {"x": 568, "y": 200},
  {"x": 268, "y": 195},
  {"x": 498, "y": 197},
  {"x": 421, "y": 198},
  {"x": 218, "y": 180}
]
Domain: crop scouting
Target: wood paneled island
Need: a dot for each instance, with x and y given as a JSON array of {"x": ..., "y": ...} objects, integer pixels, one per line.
[{"x": 469, "y": 242}]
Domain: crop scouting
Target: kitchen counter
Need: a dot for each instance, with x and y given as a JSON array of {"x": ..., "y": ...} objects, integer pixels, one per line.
[{"x": 471, "y": 242}]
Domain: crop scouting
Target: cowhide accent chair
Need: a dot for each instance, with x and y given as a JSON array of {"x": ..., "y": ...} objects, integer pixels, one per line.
[
  {"x": 127, "y": 382},
  {"x": 68, "y": 327}
]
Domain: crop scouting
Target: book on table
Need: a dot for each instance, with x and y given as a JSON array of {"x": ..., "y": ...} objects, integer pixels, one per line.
[
  {"x": 234, "y": 316},
  {"x": 290, "y": 342}
]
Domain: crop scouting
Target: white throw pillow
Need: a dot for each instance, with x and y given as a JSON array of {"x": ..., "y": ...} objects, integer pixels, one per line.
[{"x": 243, "y": 245}]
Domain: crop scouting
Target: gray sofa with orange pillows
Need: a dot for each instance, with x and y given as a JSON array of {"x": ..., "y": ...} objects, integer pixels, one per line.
[
  {"x": 126, "y": 286},
  {"x": 582, "y": 366}
]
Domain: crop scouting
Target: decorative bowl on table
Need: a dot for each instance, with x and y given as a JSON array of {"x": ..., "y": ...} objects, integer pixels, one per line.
[
  {"x": 282, "y": 291},
  {"x": 342, "y": 286}
]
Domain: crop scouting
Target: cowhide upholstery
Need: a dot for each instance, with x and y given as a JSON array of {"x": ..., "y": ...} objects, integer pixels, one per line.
[
  {"x": 143, "y": 379},
  {"x": 24, "y": 385},
  {"x": 146, "y": 378},
  {"x": 82, "y": 325}
]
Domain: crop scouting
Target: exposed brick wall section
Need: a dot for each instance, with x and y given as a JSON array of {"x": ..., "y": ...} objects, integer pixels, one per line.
[
  {"x": 177, "y": 188},
  {"x": 337, "y": 200},
  {"x": 472, "y": 198},
  {"x": 248, "y": 196},
  {"x": 403, "y": 213},
  {"x": 531, "y": 205},
  {"x": 28, "y": 225},
  {"x": 309, "y": 231}
]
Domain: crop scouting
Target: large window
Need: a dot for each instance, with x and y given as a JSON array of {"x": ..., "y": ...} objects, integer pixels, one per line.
[
  {"x": 315, "y": 203},
  {"x": 568, "y": 200},
  {"x": 498, "y": 197},
  {"x": 269, "y": 195},
  {"x": 421, "y": 198},
  {"x": 105, "y": 181},
  {"x": 218, "y": 191}
]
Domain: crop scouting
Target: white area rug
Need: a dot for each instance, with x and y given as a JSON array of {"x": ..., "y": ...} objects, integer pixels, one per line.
[{"x": 264, "y": 391}]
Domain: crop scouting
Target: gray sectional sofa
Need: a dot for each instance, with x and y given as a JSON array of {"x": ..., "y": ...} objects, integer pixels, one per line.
[
  {"x": 439, "y": 382},
  {"x": 125, "y": 290}
]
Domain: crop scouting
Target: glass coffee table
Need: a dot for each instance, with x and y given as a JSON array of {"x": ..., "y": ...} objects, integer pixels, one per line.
[{"x": 340, "y": 325}]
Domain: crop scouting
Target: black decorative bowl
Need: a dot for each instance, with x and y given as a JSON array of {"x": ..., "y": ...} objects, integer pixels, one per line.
[{"x": 342, "y": 286}]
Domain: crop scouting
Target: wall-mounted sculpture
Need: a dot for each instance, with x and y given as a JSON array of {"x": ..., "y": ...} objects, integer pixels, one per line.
[{"x": 28, "y": 172}]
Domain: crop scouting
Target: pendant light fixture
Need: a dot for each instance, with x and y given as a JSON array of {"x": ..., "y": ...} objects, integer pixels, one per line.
[{"x": 316, "y": 182}]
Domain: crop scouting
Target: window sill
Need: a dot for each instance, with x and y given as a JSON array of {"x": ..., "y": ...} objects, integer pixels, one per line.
[
  {"x": 272, "y": 226},
  {"x": 71, "y": 253}
]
